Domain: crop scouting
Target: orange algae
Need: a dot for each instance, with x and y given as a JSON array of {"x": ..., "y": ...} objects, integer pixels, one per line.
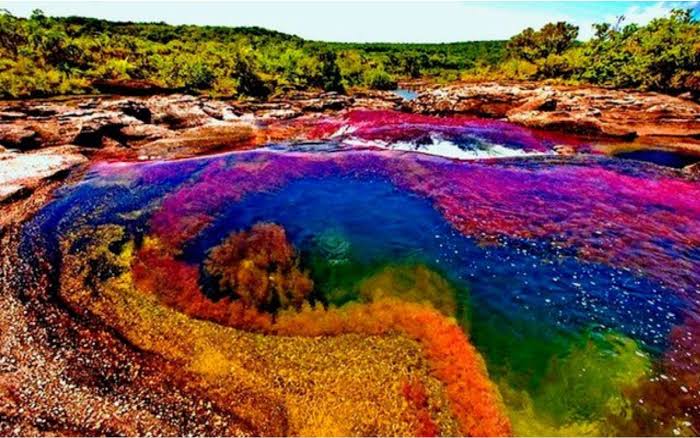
[
  {"x": 349, "y": 384},
  {"x": 473, "y": 398}
]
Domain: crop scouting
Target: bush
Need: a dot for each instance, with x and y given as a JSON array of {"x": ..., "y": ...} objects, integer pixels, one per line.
[
  {"x": 518, "y": 69},
  {"x": 378, "y": 79}
]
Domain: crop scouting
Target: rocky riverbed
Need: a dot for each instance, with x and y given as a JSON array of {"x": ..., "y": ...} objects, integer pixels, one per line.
[{"x": 83, "y": 349}]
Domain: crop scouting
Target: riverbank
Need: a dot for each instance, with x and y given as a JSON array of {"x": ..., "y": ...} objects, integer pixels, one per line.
[{"x": 42, "y": 139}]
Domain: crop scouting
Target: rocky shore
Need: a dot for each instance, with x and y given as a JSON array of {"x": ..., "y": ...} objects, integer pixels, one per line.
[
  {"x": 41, "y": 140},
  {"x": 586, "y": 110}
]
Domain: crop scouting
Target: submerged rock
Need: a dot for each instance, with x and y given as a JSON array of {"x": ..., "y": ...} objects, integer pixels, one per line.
[{"x": 692, "y": 170}]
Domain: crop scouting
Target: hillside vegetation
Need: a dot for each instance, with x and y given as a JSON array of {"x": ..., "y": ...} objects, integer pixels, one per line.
[{"x": 43, "y": 56}]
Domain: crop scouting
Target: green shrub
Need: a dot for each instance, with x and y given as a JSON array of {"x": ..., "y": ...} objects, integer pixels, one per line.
[
  {"x": 41, "y": 56},
  {"x": 379, "y": 79}
]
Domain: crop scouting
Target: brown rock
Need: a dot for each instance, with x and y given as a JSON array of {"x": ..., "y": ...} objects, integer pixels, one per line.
[
  {"x": 201, "y": 139},
  {"x": 21, "y": 173},
  {"x": 130, "y": 107},
  {"x": 586, "y": 110},
  {"x": 178, "y": 111},
  {"x": 280, "y": 114},
  {"x": 143, "y": 133},
  {"x": 98, "y": 125},
  {"x": 692, "y": 170},
  {"x": 563, "y": 149},
  {"x": 328, "y": 101},
  {"x": 19, "y": 136},
  {"x": 12, "y": 115}
]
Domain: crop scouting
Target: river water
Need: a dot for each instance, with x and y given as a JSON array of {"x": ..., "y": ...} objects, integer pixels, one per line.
[{"x": 577, "y": 279}]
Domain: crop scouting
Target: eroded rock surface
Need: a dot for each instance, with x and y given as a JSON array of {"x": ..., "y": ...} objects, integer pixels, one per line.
[
  {"x": 585, "y": 110},
  {"x": 21, "y": 173},
  {"x": 40, "y": 140}
]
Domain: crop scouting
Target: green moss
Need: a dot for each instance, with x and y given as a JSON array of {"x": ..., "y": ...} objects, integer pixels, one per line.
[{"x": 580, "y": 389}]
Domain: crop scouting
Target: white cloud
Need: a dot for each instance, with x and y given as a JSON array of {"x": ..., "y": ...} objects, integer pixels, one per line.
[{"x": 643, "y": 14}]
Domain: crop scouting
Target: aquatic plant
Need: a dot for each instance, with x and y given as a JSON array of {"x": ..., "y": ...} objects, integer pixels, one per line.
[
  {"x": 149, "y": 324},
  {"x": 260, "y": 268},
  {"x": 581, "y": 388},
  {"x": 569, "y": 284},
  {"x": 414, "y": 283},
  {"x": 176, "y": 284}
]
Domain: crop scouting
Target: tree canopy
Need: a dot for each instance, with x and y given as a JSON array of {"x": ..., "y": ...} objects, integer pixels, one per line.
[
  {"x": 664, "y": 55},
  {"x": 41, "y": 56}
]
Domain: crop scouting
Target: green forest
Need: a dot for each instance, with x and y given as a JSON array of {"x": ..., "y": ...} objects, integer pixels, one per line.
[{"x": 45, "y": 56}]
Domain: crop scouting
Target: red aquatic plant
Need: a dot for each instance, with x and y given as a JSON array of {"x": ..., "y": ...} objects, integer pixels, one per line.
[
  {"x": 175, "y": 283},
  {"x": 473, "y": 397},
  {"x": 260, "y": 268},
  {"x": 415, "y": 394}
]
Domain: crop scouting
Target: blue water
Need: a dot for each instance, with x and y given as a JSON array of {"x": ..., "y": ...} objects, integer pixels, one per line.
[
  {"x": 405, "y": 93},
  {"x": 661, "y": 157},
  {"x": 518, "y": 285}
]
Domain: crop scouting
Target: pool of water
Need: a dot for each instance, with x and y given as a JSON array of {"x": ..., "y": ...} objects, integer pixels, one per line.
[
  {"x": 578, "y": 281},
  {"x": 661, "y": 157},
  {"x": 405, "y": 93}
]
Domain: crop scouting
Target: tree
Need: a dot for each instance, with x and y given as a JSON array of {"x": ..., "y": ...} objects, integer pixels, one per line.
[
  {"x": 331, "y": 79},
  {"x": 249, "y": 82},
  {"x": 12, "y": 35},
  {"x": 663, "y": 55},
  {"x": 552, "y": 39}
]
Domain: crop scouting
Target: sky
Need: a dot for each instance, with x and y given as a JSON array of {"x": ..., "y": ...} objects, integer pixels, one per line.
[{"x": 378, "y": 21}]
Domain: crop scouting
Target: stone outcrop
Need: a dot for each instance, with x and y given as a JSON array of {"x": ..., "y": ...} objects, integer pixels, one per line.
[
  {"x": 22, "y": 173},
  {"x": 303, "y": 102},
  {"x": 135, "y": 121},
  {"x": 210, "y": 137},
  {"x": 585, "y": 110}
]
